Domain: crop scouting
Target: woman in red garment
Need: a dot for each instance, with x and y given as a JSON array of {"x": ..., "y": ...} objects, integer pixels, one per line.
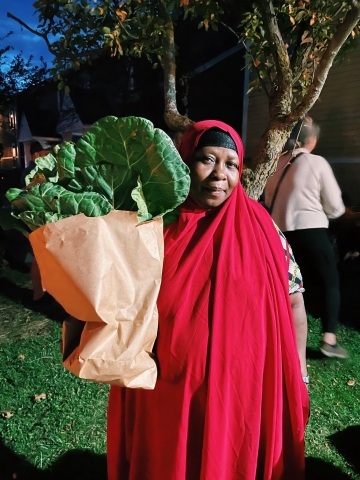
[{"x": 229, "y": 402}]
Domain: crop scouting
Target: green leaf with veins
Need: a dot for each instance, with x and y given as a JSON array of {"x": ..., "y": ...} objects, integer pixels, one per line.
[
  {"x": 138, "y": 195},
  {"x": 13, "y": 193},
  {"x": 138, "y": 150},
  {"x": 34, "y": 220},
  {"x": 46, "y": 166},
  {"x": 49, "y": 198},
  {"x": 59, "y": 200},
  {"x": 30, "y": 200},
  {"x": 111, "y": 181},
  {"x": 65, "y": 156}
]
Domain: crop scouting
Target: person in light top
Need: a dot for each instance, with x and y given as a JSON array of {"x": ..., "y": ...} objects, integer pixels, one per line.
[{"x": 307, "y": 198}]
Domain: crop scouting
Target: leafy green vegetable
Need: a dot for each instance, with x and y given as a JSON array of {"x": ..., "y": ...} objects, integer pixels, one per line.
[
  {"x": 138, "y": 150},
  {"x": 111, "y": 181},
  {"x": 138, "y": 196},
  {"x": 34, "y": 220},
  {"x": 120, "y": 163},
  {"x": 13, "y": 193},
  {"x": 45, "y": 166},
  {"x": 65, "y": 156}
]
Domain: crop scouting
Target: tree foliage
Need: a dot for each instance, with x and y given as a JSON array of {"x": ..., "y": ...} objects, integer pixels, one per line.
[
  {"x": 306, "y": 28},
  {"x": 291, "y": 45},
  {"x": 17, "y": 73}
]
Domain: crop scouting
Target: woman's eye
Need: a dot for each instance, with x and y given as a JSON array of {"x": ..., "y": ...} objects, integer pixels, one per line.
[{"x": 232, "y": 165}]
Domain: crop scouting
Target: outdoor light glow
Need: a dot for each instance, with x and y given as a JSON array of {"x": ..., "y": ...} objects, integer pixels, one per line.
[{"x": 12, "y": 120}]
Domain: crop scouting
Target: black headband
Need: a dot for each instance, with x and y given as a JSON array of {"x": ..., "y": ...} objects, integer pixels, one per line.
[{"x": 216, "y": 138}]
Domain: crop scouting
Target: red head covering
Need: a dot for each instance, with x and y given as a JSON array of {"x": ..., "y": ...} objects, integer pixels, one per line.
[
  {"x": 192, "y": 136},
  {"x": 229, "y": 400}
]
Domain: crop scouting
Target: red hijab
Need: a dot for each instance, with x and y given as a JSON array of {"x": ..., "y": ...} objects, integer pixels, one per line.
[{"x": 224, "y": 299}]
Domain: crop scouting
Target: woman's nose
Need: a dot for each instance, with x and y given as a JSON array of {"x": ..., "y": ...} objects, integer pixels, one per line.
[{"x": 219, "y": 170}]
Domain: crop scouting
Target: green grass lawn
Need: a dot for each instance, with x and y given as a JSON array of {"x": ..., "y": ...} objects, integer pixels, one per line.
[
  {"x": 52, "y": 424},
  {"x": 333, "y": 432}
]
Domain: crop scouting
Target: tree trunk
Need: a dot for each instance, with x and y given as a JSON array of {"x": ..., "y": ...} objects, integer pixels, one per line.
[
  {"x": 173, "y": 119},
  {"x": 265, "y": 161}
]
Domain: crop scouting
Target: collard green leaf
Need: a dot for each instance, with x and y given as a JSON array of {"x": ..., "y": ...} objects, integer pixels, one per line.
[
  {"x": 59, "y": 200},
  {"x": 47, "y": 166},
  {"x": 13, "y": 193},
  {"x": 139, "y": 150},
  {"x": 35, "y": 180},
  {"x": 34, "y": 220},
  {"x": 65, "y": 157},
  {"x": 46, "y": 202},
  {"x": 30, "y": 200},
  {"x": 138, "y": 195},
  {"x": 111, "y": 181}
]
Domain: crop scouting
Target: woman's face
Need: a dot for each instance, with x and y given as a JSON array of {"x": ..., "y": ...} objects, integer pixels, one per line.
[{"x": 214, "y": 174}]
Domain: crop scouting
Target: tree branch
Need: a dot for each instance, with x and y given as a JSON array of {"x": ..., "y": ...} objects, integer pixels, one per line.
[
  {"x": 278, "y": 49},
  {"x": 35, "y": 32},
  {"x": 336, "y": 42},
  {"x": 71, "y": 56},
  {"x": 230, "y": 30},
  {"x": 126, "y": 31},
  {"x": 299, "y": 59},
  {"x": 10, "y": 15},
  {"x": 172, "y": 116}
]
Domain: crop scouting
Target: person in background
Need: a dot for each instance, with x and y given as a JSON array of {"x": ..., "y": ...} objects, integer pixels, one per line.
[
  {"x": 230, "y": 401},
  {"x": 36, "y": 151},
  {"x": 306, "y": 197}
]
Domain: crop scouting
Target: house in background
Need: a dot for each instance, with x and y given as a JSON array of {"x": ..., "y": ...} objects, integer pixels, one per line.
[
  {"x": 8, "y": 137},
  {"x": 9, "y": 171},
  {"x": 337, "y": 111}
]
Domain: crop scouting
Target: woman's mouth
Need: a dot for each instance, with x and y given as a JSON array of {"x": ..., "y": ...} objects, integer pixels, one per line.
[{"x": 214, "y": 191}]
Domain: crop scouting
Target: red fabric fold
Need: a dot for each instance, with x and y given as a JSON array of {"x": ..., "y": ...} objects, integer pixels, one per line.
[{"x": 229, "y": 402}]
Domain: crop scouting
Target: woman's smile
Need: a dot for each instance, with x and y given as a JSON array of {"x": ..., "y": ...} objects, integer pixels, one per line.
[{"x": 214, "y": 191}]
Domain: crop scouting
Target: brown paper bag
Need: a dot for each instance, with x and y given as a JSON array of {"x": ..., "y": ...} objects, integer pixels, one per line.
[{"x": 106, "y": 273}]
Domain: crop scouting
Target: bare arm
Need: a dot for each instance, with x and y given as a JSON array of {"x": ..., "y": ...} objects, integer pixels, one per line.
[
  {"x": 297, "y": 301},
  {"x": 300, "y": 322}
]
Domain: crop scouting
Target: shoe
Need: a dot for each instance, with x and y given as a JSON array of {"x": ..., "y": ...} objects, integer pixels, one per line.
[{"x": 334, "y": 351}]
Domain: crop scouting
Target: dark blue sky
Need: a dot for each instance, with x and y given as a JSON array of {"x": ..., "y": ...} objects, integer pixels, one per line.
[{"x": 22, "y": 40}]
